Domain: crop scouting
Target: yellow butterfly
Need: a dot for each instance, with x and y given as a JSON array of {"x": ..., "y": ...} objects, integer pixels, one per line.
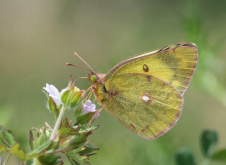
[{"x": 145, "y": 92}]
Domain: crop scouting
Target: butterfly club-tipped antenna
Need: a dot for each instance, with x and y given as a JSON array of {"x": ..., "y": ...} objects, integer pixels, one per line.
[{"x": 91, "y": 69}]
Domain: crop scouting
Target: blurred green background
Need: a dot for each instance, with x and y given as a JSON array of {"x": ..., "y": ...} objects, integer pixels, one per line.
[{"x": 38, "y": 37}]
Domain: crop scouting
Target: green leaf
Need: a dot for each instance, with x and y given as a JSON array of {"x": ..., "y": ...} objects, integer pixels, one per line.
[
  {"x": 219, "y": 156},
  {"x": 17, "y": 151},
  {"x": 76, "y": 159},
  {"x": 30, "y": 140},
  {"x": 41, "y": 139},
  {"x": 89, "y": 128},
  {"x": 80, "y": 139},
  {"x": 66, "y": 128},
  {"x": 8, "y": 136},
  {"x": 208, "y": 142},
  {"x": 85, "y": 117},
  {"x": 184, "y": 157},
  {"x": 49, "y": 159},
  {"x": 88, "y": 149},
  {"x": 39, "y": 149}
]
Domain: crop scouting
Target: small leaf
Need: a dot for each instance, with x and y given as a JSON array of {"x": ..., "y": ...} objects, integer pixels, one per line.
[
  {"x": 89, "y": 128},
  {"x": 49, "y": 159},
  {"x": 17, "y": 151},
  {"x": 208, "y": 142},
  {"x": 219, "y": 156},
  {"x": 76, "y": 159},
  {"x": 80, "y": 139},
  {"x": 66, "y": 128},
  {"x": 9, "y": 136},
  {"x": 88, "y": 149},
  {"x": 85, "y": 117},
  {"x": 30, "y": 140},
  {"x": 41, "y": 139},
  {"x": 184, "y": 157},
  {"x": 39, "y": 149}
]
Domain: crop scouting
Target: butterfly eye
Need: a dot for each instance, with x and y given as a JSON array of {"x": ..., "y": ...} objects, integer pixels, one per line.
[{"x": 93, "y": 78}]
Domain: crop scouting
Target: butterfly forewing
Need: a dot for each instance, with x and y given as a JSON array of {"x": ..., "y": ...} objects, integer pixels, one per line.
[
  {"x": 146, "y": 105},
  {"x": 174, "y": 64}
]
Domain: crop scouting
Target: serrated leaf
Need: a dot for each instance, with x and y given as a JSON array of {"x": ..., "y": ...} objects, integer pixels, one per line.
[
  {"x": 66, "y": 128},
  {"x": 184, "y": 157},
  {"x": 17, "y": 151},
  {"x": 30, "y": 140},
  {"x": 8, "y": 136},
  {"x": 39, "y": 149},
  {"x": 76, "y": 159},
  {"x": 80, "y": 139},
  {"x": 88, "y": 149},
  {"x": 89, "y": 128},
  {"x": 208, "y": 142},
  {"x": 219, "y": 156}
]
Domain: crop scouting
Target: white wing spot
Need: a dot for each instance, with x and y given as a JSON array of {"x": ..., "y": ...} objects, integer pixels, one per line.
[{"x": 146, "y": 98}]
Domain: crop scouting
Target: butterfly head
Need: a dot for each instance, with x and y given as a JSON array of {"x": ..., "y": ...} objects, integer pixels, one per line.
[{"x": 92, "y": 78}]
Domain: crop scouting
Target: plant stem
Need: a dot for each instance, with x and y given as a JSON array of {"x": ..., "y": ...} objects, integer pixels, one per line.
[{"x": 58, "y": 123}]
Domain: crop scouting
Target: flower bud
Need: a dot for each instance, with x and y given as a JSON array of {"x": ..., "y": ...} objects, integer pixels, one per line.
[
  {"x": 76, "y": 99},
  {"x": 66, "y": 96}
]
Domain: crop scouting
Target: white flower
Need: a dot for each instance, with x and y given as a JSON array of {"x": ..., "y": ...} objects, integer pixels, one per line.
[
  {"x": 89, "y": 107},
  {"x": 54, "y": 93}
]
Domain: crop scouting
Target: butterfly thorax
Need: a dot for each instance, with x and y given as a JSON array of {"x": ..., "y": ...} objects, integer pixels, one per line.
[{"x": 98, "y": 85}]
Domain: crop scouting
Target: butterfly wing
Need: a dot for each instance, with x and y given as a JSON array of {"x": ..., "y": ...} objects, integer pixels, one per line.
[
  {"x": 174, "y": 64},
  {"x": 146, "y": 105}
]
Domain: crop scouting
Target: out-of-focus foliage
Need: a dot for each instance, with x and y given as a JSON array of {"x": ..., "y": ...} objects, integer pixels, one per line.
[{"x": 208, "y": 141}]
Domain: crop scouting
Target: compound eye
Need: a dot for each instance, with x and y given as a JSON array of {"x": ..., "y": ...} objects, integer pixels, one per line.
[{"x": 93, "y": 78}]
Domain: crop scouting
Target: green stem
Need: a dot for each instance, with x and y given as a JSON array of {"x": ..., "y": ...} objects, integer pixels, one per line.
[{"x": 58, "y": 123}]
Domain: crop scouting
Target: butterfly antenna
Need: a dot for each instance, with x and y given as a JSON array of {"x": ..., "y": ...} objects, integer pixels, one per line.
[
  {"x": 84, "y": 62},
  {"x": 78, "y": 66}
]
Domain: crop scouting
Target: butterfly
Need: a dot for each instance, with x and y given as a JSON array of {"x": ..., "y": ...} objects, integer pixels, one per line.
[{"x": 145, "y": 92}]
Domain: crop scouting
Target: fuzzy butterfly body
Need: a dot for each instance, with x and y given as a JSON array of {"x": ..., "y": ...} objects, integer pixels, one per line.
[{"x": 145, "y": 92}]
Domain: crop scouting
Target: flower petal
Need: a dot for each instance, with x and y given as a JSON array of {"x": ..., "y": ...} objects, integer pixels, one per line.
[
  {"x": 97, "y": 115},
  {"x": 54, "y": 90},
  {"x": 56, "y": 99}
]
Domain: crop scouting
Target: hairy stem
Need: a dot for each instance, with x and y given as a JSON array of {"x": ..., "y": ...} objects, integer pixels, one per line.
[{"x": 58, "y": 123}]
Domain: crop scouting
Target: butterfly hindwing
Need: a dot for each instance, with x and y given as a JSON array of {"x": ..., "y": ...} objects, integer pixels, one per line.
[
  {"x": 174, "y": 64},
  {"x": 146, "y": 105}
]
